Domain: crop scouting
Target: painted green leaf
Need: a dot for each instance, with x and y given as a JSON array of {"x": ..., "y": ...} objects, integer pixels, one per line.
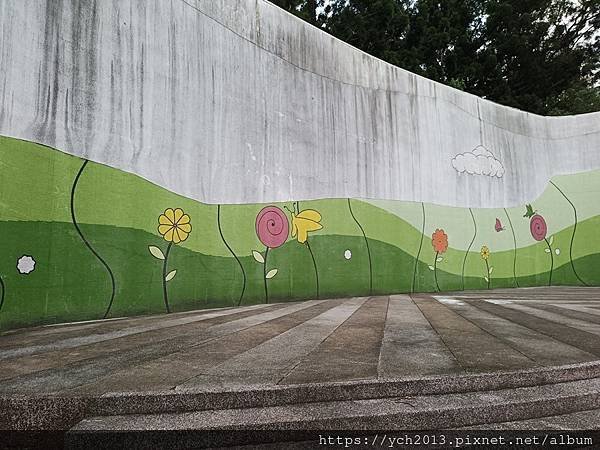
[
  {"x": 170, "y": 275},
  {"x": 258, "y": 257},
  {"x": 486, "y": 279},
  {"x": 547, "y": 250},
  {"x": 557, "y": 251},
  {"x": 490, "y": 271},
  {"x": 530, "y": 212},
  {"x": 156, "y": 252},
  {"x": 271, "y": 273},
  {"x": 440, "y": 259},
  {"x": 551, "y": 239},
  {"x": 431, "y": 268}
]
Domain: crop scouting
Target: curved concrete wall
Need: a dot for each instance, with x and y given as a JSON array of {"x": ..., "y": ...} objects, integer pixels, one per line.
[{"x": 236, "y": 101}]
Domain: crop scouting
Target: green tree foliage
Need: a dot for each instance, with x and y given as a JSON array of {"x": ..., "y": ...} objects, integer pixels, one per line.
[
  {"x": 305, "y": 9},
  {"x": 541, "y": 56},
  {"x": 577, "y": 99},
  {"x": 443, "y": 41},
  {"x": 378, "y": 27},
  {"x": 541, "y": 49}
]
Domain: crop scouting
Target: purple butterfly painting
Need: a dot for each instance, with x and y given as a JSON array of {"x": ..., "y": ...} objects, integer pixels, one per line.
[{"x": 499, "y": 226}]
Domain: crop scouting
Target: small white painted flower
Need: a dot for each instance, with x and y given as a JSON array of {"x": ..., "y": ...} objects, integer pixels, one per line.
[
  {"x": 347, "y": 254},
  {"x": 25, "y": 264}
]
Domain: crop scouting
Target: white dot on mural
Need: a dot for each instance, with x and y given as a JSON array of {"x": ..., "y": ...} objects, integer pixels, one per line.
[
  {"x": 25, "y": 264},
  {"x": 347, "y": 254}
]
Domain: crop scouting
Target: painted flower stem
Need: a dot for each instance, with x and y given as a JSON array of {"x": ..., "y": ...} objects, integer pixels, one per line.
[
  {"x": 462, "y": 273},
  {"x": 362, "y": 230},
  {"x": 164, "y": 277},
  {"x": 512, "y": 229},
  {"x": 3, "y": 286},
  {"x": 315, "y": 266},
  {"x": 573, "y": 234},
  {"x": 414, "y": 278},
  {"x": 489, "y": 278},
  {"x": 86, "y": 242},
  {"x": 435, "y": 271},
  {"x": 312, "y": 255},
  {"x": 551, "y": 261},
  {"x": 265, "y": 275},
  {"x": 233, "y": 254}
]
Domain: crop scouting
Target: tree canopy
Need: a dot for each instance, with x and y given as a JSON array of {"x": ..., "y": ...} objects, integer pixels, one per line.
[{"x": 541, "y": 56}]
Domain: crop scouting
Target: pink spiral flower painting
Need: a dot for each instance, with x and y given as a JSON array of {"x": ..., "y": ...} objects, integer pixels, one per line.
[
  {"x": 538, "y": 227},
  {"x": 272, "y": 227}
]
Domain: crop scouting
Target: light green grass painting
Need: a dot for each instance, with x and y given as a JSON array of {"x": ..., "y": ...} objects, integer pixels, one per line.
[{"x": 81, "y": 241}]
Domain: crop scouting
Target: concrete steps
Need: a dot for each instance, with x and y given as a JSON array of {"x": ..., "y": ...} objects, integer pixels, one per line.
[
  {"x": 441, "y": 411},
  {"x": 282, "y": 395},
  {"x": 63, "y": 412},
  {"x": 582, "y": 420},
  {"x": 419, "y": 412},
  {"x": 427, "y": 362}
]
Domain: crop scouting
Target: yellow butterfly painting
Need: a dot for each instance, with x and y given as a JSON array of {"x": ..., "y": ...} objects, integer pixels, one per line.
[{"x": 303, "y": 222}]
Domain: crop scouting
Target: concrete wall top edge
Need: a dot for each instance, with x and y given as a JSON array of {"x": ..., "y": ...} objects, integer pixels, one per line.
[
  {"x": 237, "y": 101},
  {"x": 385, "y": 77}
]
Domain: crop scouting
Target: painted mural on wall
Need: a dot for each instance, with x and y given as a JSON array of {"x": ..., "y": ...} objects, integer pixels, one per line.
[{"x": 81, "y": 241}]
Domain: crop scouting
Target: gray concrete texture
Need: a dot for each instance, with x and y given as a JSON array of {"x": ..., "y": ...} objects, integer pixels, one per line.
[
  {"x": 410, "y": 413},
  {"x": 236, "y": 101},
  {"x": 270, "y": 356},
  {"x": 583, "y": 420}
]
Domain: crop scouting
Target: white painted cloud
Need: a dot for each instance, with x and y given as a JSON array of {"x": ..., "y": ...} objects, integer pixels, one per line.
[{"x": 479, "y": 161}]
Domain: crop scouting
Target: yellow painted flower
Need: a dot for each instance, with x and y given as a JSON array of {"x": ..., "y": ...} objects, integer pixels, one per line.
[
  {"x": 485, "y": 252},
  {"x": 174, "y": 225}
]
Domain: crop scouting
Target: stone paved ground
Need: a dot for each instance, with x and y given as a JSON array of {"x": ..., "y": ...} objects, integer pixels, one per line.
[{"x": 381, "y": 337}]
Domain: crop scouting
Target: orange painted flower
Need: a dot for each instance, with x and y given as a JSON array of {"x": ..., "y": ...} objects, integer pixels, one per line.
[{"x": 439, "y": 240}]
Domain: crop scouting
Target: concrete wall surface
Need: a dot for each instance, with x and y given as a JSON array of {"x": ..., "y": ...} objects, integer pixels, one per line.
[
  {"x": 236, "y": 101},
  {"x": 169, "y": 155}
]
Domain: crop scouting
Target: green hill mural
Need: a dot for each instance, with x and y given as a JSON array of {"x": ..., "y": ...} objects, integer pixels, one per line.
[{"x": 82, "y": 241}]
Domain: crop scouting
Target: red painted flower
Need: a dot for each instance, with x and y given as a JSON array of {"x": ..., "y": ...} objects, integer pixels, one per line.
[
  {"x": 272, "y": 226},
  {"x": 439, "y": 240},
  {"x": 538, "y": 227}
]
